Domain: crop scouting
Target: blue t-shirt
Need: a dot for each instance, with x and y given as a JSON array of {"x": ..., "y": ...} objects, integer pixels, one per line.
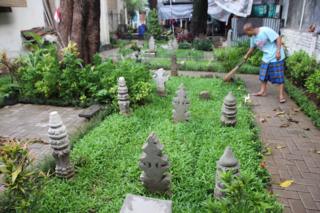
[{"x": 265, "y": 40}]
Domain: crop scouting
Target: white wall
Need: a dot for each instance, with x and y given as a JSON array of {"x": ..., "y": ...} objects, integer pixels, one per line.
[
  {"x": 21, "y": 18},
  {"x": 295, "y": 40},
  {"x": 104, "y": 23}
]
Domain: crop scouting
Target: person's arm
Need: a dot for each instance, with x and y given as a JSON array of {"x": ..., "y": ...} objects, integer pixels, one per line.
[
  {"x": 278, "y": 53},
  {"x": 248, "y": 54}
]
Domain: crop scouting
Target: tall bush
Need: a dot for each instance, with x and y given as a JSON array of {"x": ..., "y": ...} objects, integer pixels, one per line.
[
  {"x": 300, "y": 66},
  {"x": 153, "y": 25},
  {"x": 313, "y": 83}
]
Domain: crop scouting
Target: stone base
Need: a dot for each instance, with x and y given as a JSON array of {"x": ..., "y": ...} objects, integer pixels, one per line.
[
  {"x": 139, "y": 204},
  {"x": 90, "y": 111},
  {"x": 227, "y": 122},
  {"x": 162, "y": 93},
  {"x": 150, "y": 54}
]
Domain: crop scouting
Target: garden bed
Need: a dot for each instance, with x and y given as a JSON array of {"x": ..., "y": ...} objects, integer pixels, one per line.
[{"x": 106, "y": 159}]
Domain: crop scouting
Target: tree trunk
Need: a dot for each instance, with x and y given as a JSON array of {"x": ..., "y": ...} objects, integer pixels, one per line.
[
  {"x": 153, "y": 4},
  {"x": 93, "y": 26},
  {"x": 199, "y": 17},
  {"x": 66, "y": 20},
  {"x": 81, "y": 24}
]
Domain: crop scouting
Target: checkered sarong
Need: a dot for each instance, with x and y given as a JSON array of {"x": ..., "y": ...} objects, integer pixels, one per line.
[{"x": 273, "y": 72}]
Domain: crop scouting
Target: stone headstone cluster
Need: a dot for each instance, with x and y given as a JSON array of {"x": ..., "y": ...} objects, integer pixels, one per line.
[
  {"x": 154, "y": 166},
  {"x": 181, "y": 105},
  {"x": 227, "y": 163},
  {"x": 229, "y": 110},
  {"x": 58, "y": 139},
  {"x": 123, "y": 97},
  {"x": 160, "y": 77}
]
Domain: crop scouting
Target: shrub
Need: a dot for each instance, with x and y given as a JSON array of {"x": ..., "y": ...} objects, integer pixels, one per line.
[
  {"x": 300, "y": 67},
  {"x": 313, "y": 83},
  {"x": 185, "y": 45},
  {"x": 228, "y": 56},
  {"x": 43, "y": 76},
  {"x": 243, "y": 194},
  {"x": 256, "y": 58},
  {"x": 153, "y": 25},
  {"x": 202, "y": 44},
  {"x": 302, "y": 100},
  {"x": 20, "y": 182}
]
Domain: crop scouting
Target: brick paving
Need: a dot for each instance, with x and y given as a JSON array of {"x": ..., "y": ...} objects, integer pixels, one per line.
[{"x": 294, "y": 148}]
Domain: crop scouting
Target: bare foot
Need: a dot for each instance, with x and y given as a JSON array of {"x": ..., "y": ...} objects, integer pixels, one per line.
[
  {"x": 282, "y": 100},
  {"x": 260, "y": 93}
]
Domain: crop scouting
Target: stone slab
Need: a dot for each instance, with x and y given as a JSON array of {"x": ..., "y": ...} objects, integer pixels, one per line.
[
  {"x": 140, "y": 204},
  {"x": 90, "y": 111}
]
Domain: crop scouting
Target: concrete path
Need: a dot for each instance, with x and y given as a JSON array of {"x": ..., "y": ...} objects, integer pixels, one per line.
[
  {"x": 27, "y": 121},
  {"x": 294, "y": 147}
]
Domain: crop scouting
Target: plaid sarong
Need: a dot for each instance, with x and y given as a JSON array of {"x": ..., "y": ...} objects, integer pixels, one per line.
[{"x": 273, "y": 72}]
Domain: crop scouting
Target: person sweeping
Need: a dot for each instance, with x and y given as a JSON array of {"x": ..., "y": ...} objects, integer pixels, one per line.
[{"x": 272, "y": 66}]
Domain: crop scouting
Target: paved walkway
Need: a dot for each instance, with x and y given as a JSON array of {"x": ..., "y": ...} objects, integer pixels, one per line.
[
  {"x": 27, "y": 121},
  {"x": 293, "y": 147}
]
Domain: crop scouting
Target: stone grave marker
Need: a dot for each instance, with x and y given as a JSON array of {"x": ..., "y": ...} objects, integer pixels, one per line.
[
  {"x": 229, "y": 110},
  {"x": 58, "y": 139},
  {"x": 174, "y": 65},
  {"x": 160, "y": 77},
  {"x": 123, "y": 97},
  {"x": 154, "y": 165},
  {"x": 205, "y": 95},
  {"x": 140, "y": 204},
  {"x": 227, "y": 162},
  {"x": 180, "y": 105},
  {"x": 174, "y": 44},
  {"x": 152, "y": 45}
]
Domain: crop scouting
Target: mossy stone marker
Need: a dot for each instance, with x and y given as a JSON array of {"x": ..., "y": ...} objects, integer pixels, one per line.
[
  {"x": 58, "y": 139},
  {"x": 229, "y": 110},
  {"x": 227, "y": 163},
  {"x": 123, "y": 97},
  {"x": 181, "y": 106},
  {"x": 154, "y": 165}
]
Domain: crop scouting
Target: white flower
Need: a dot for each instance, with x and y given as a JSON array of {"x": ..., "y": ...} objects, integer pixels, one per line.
[{"x": 247, "y": 99}]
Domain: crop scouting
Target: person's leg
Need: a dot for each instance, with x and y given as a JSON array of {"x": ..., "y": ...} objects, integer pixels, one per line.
[
  {"x": 263, "y": 89},
  {"x": 281, "y": 93}
]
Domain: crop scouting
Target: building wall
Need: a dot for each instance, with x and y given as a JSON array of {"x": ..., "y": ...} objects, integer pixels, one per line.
[
  {"x": 21, "y": 18},
  {"x": 311, "y": 13},
  {"x": 112, "y": 5},
  {"x": 116, "y": 14},
  {"x": 295, "y": 41}
]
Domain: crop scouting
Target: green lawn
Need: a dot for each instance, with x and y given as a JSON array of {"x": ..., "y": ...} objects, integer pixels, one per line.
[
  {"x": 107, "y": 158},
  {"x": 181, "y": 53},
  {"x": 197, "y": 65},
  {"x": 5, "y": 83}
]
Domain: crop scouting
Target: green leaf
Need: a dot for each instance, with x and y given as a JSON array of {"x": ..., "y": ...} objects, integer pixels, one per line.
[{"x": 16, "y": 173}]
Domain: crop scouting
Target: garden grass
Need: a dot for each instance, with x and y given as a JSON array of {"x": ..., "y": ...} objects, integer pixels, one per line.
[
  {"x": 107, "y": 158},
  {"x": 5, "y": 81},
  {"x": 197, "y": 65},
  {"x": 181, "y": 53}
]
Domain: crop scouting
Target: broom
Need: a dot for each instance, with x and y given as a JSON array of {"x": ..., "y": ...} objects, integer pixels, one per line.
[{"x": 230, "y": 74}]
